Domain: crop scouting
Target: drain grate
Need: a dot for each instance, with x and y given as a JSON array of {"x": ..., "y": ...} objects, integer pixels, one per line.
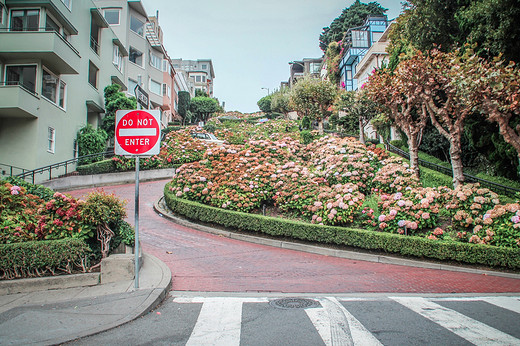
[{"x": 294, "y": 303}]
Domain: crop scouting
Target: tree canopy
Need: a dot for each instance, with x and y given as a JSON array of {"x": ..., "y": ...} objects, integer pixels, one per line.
[
  {"x": 115, "y": 100},
  {"x": 265, "y": 104},
  {"x": 313, "y": 98},
  {"x": 350, "y": 17},
  {"x": 202, "y": 107}
]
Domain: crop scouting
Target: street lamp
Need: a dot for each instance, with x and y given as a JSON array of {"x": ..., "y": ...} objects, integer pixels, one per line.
[{"x": 268, "y": 93}]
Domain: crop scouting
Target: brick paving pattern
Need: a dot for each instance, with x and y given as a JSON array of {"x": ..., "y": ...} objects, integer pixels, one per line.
[{"x": 211, "y": 263}]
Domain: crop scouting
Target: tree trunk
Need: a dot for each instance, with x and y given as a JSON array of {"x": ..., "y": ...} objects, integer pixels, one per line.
[
  {"x": 320, "y": 126},
  {"x": 413, "y": 148},
  {"x": 361, "y": 131},
  {"x": 456, "y": 162}
]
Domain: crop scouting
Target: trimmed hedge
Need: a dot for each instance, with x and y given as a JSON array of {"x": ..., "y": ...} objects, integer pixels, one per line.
[
  {"x": 370, "y": 240},
  {"x": 105, "y": 166},
  {"x": 37, "y": 258}
]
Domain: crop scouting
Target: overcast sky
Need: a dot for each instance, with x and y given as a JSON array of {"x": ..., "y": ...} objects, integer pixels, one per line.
[{"x": 250, "y": 42}]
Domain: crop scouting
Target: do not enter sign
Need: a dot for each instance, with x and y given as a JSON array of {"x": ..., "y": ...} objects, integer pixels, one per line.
[{"x": 137, "y": 132}]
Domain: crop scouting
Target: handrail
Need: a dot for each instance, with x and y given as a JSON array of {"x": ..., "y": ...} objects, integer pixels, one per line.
[
  {"x": 498, "y": 188},
  {"x": 65, "y": 164}
]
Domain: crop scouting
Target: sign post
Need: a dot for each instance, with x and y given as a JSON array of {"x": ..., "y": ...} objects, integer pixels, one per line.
[{"x": 137, "y": 134}]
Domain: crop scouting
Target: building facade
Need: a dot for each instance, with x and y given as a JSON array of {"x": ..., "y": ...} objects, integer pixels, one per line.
[
  {"x": 356, "y": 44},
  {"x": 199, "y": 73},
  {"x": 56, "y": 57},
  {"x": 302, "y": 68}
]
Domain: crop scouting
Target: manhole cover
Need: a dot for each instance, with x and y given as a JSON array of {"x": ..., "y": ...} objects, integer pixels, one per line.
[{"x": 294, "y": 303}]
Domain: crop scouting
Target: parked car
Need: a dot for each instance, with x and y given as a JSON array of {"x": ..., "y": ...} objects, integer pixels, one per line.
[{"x": 208, "y": 137}]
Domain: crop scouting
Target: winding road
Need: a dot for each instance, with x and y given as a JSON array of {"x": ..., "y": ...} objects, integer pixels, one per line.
[{"x": 210, "y": 263}]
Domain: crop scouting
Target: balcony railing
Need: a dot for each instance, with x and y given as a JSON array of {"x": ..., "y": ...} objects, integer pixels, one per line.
[{"x": 21, "y": 85}]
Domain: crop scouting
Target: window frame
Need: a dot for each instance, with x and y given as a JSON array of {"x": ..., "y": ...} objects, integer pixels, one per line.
[
  {"x": 90, "y": 63},
  {"x": 130, "y": 55},
  {"x": 118, "y": 9},
  {"x": 156, "y": 83},
  {"x": 57, "y": 90},
  {"x": 154, "y": 60},
  {"x": 117, "y": 58},
  {"x": 6, "y": 66},
  {"x": 25, "y": 10},
  {"x": 139, "y": 32}
]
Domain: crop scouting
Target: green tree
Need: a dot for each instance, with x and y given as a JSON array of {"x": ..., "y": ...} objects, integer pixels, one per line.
[
  {"x": 91, "y": 141},
  {"x": 203, "y": 107},
  {"x": 333, "y": 57},
  {"x": 183, "y": 105},
  {"x": 115, "y": 100},
  {"x": 200, "y": 93},
  {"x": 313, "y": 98},
  {"x": 280, "y": 102},
  {"x": 350, "y": 17},
  {"x": 265, "y": 104},
  {"x": 357, "y": 109}
]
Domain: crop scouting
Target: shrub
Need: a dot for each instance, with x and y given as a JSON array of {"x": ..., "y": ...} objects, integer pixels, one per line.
[
  {"x": 103, "y": 212},
  {"x": 31, "y": 189},
  {"x": 126, "y": 233},
  {"x": 387, "y": 242},
  {"x": 91, "y": 141},
  {"x": 38, "y": 258},
  {"x": 306, "y": 137},
  {"x": 105, "y": 166}
]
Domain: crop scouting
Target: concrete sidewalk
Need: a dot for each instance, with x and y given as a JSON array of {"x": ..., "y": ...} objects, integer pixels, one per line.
[{"x": 49, "y": 317}]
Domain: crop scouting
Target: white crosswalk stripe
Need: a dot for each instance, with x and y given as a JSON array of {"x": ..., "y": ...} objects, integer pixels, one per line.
[
  {"x": 220, "y": 319},
  {"x": 337, "y": 326},
  {"x": 474, "y": 331}
]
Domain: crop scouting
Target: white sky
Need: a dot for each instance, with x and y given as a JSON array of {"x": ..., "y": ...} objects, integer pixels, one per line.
[{"x": 250, "y": 42}]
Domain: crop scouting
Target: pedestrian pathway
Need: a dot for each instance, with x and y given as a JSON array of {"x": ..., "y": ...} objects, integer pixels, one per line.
[{"x": 328, "y": 320}]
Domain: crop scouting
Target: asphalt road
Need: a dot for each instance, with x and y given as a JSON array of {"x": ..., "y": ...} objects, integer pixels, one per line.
[{"x": 354, "y": 320}]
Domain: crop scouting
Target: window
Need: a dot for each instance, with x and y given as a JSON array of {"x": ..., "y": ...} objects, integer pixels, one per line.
[
  {"x": 92, "y": 74},
  {"x": 131, "y": 85},
  {"x": 204, "y": 66},
  {"x": 53, "y": 89},
  {"x": 166, "y": 90},
  {"x": 24, "y": 75},
  {"x": 50, "y": 25},
  {"x": 25, "y": 20},
  {"x": 136, "y": 25},
  {"x": 112, "y": 15},
  {"x": 204, "y": 79},
  {"x": 67, "y": 3},
  {"x": 51, "y": 139},
  {"x": 94, "y": 35},
  {"x": 155, "y": 60},
  {"x": 118, "y": 58},
  {"x": 197, "y": 79},
  {"x": 155, "y": 87},
  {"x": 135, "y": 56},
  {"x": 1, "y": 14},
  {"x": 166, "y": 66}
]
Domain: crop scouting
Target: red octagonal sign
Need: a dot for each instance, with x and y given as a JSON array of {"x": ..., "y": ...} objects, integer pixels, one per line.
[{"x": 137, "y": 132}]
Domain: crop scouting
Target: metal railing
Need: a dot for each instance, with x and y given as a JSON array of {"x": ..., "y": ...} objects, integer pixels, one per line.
[
  {"x": 64, "y": 164},
  {"x": 498, "y": 188}
]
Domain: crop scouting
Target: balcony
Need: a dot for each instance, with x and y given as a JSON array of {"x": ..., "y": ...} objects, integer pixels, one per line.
[
  {"x": 18, "y": 102},
  {"x": 54, "y": 51}
]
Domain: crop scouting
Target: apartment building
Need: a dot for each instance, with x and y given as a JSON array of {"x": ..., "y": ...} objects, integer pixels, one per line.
[
  {"x": 56, "y": 57},
  {"x": 199, "y": 73},
  {"x": 302, "y": 68},
  {"x": 356, "y": 44}
]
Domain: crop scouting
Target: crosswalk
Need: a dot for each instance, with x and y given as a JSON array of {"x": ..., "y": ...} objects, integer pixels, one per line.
[{"x": 398, "y": 320}]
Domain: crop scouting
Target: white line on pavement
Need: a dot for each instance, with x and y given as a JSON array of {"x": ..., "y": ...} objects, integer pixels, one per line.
[{"x": 472, "y": 330}]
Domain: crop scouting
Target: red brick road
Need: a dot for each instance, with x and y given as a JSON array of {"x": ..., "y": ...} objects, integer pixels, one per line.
[{"x": 206, "y": 262}]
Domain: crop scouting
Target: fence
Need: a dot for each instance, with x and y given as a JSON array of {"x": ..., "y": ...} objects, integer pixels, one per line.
[
  {"x": 498, "y": 188},
  {"x": 60, "y": 168}
]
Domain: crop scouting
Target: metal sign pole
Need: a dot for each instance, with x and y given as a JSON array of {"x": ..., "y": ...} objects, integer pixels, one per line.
[{"x": 136, "y": 222}]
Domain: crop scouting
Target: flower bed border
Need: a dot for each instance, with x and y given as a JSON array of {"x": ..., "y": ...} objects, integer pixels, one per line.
[
  {"x": 370, "y": 240},
  {"x": 28, "y": 259}
]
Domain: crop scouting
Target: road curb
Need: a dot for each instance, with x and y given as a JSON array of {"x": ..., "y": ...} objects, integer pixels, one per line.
[{"x": 160, "y": 208}]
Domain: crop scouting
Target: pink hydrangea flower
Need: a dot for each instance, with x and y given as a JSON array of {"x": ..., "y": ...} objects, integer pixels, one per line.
[{"x": 15, "y": 190}]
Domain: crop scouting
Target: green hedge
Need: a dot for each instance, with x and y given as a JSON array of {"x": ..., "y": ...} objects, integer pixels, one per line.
[
  {"x": 370, "y": 240},
  {"x": 36, "y": 258},
  {"x": 105, "y": 166},
  {"x": 431, "y": 178}
]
